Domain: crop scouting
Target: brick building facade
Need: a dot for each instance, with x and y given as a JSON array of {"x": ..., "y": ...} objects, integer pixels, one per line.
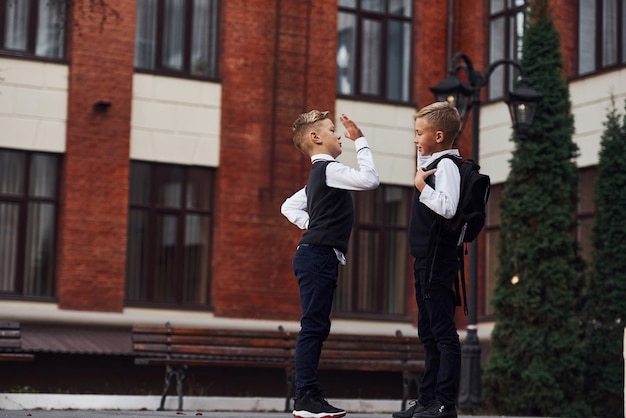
[{"x": 98, "y": 113}]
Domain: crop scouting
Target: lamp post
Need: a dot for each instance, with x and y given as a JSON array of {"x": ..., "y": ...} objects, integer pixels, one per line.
[{"x": 522, "y": 103}]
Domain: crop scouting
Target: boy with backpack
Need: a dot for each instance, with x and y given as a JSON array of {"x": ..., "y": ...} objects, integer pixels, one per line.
[{"x": 436, "y": 266}]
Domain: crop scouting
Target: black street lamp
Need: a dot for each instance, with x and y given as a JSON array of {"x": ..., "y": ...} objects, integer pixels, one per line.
[{"x": 522, "y": 103}]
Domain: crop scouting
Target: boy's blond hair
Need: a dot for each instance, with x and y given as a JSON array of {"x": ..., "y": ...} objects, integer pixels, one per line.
[
  {"x": 302, "y": 126},
  {"x": 442, "y": 116}
]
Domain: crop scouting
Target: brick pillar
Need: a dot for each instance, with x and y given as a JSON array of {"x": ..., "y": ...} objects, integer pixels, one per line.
[
  {"x": 94, "y": 202},
  {"x": 278, "y": 60}
]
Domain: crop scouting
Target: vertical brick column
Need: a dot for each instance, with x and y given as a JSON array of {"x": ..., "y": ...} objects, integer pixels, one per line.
[
  {"x": 278, "y": 60},
  {"x": 94, "y": 202}
]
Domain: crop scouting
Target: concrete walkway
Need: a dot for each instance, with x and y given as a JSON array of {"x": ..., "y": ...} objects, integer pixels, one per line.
[{"x": 151, "y": 414}]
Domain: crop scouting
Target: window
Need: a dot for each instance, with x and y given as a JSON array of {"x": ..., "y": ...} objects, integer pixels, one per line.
[
  {"x": 374, "y": 280},
  {"x": 177, "y": 37},
  {"x": 33, "y": 28},
  {"x": 506, "y": 27},
  {"x": 601, "y": 35},
  {"x": 169, "y": 235},
  {"x": 28, "y": 214},
  {"x": 374, "y": 49}
]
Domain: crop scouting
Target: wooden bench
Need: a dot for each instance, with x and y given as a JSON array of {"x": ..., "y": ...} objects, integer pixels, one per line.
[
  {"x": 179, "y": 348},
  {"x": 11, "y": 343}
]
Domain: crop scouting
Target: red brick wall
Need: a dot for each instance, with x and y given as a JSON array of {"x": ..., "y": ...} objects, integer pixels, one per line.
[
  {"x": 276, "y": 64},
  {"x": 94, "y": 196}
]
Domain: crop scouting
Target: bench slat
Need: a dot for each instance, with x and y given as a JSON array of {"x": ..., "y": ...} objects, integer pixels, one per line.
[{"x": 178, "y": 348}]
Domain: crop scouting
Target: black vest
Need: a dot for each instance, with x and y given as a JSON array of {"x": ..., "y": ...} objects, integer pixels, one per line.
[
  {"x": 423, "y": 229},
  {"x": 331, "y": 211}
]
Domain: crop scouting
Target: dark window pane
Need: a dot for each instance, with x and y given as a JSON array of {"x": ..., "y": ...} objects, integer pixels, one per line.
[
  {"x": 398, "y": 63},
  {"x": 347, "y": 3},
  {"x": 140, "y": 183},
  {"x": 43, "y": 176},
  {"x": 346, "y": 53},
  {"x": 610, "y": 31},
  {"x": 137, "y": 255},
  {"x": 397, "y": 205},
  {"x": 16, "y": 25},
  {"x": 9, "y": 222},
  {"x": 373, "y": 5},
  {"x": 199, "y": 190},
  {"x": 165, "y": 261},
  {"x": 396, "y": 261},
  {"x": 204, "y": 38},
  {"x": 401, "y": 8},
  {"x": 197, "y": 262},
  {"x": 12, "y": 167},
  {"x": 173, "y": 34},
  {"x": 51, "y": 29},
  {"x": 368, "y": 245},
  {"x": 371, "y": 57},
  {"x": 39, "y": 254},
  {"x": 169, "y": 182},
  {"x": 145, "y": 34},
  {"x": 587, "y": 36}
]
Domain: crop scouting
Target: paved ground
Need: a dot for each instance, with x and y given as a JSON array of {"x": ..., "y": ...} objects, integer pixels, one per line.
[{"x": 154, "y": 414}]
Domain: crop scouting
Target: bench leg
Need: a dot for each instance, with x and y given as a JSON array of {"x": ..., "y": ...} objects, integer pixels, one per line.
[
  {"x": 407, "y": 378},
  {"x": 170, "y": 372},
  {"x": 290, "y": 376}
]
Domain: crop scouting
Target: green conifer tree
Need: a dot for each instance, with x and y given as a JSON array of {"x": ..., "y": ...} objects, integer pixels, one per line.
[
  {"x": 535, "y": 367},
  {"x": 605, "y": 309}
]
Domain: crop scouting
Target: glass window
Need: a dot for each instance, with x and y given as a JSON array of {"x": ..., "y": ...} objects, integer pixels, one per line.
[
  {"x": 33, "y": 28},
  {"x": 506, "y": 29},
  {"x": 375, "y": 280},
  {"x": 28, "y": 212},
  {"x": 375, "y": 37},
  {"x": 169, "y": 235},
  {"x": 177, "y": 37},
  {"x": 601, "y": 35}
]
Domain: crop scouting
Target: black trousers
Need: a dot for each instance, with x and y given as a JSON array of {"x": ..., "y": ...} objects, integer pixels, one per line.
[{"x": 437, "y": 330}]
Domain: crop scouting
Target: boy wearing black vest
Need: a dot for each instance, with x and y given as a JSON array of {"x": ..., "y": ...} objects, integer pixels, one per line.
[
  {"x": 324, "y": 209},
  {"x": 436, "y": 197}
]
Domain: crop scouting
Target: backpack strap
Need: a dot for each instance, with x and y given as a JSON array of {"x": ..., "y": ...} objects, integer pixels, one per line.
[
  {"x": 460, "y": 252},
  {"x": 461, "y": 256}
]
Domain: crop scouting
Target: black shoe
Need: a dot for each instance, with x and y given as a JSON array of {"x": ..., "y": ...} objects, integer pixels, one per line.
[
  {"x": 437, "y": 410},
  {"x": 414, "y": 406},
  {"x": 314, "y": 405}
]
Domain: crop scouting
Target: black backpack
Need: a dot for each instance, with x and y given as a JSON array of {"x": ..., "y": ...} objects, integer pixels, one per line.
[{"x": 471, "y": 212}]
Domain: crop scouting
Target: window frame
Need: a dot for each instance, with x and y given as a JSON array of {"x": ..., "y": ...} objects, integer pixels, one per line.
[
  {"x": 185, "y": 72},
  {"x": 351, "y": 279},
  {"x": 153, "y": 211},
  {"x": 385, "y": 18},
  {"x": 509, "y": 13},
  {"x": 33, "y": 28},
  {"x": 599, "y": 41},
  {"x": 24, "y": 201}
]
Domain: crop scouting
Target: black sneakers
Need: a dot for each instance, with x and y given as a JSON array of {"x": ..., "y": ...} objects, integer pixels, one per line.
[
  {"x": 414, "y": 407},
  {"x": 314, "y": 405},
  {"x": 437, "y": 410}
]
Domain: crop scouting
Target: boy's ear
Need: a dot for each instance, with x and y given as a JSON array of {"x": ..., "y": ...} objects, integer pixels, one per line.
[
  {"x": 439, "y": 136},
  {"x": 315, "y": 137}
]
